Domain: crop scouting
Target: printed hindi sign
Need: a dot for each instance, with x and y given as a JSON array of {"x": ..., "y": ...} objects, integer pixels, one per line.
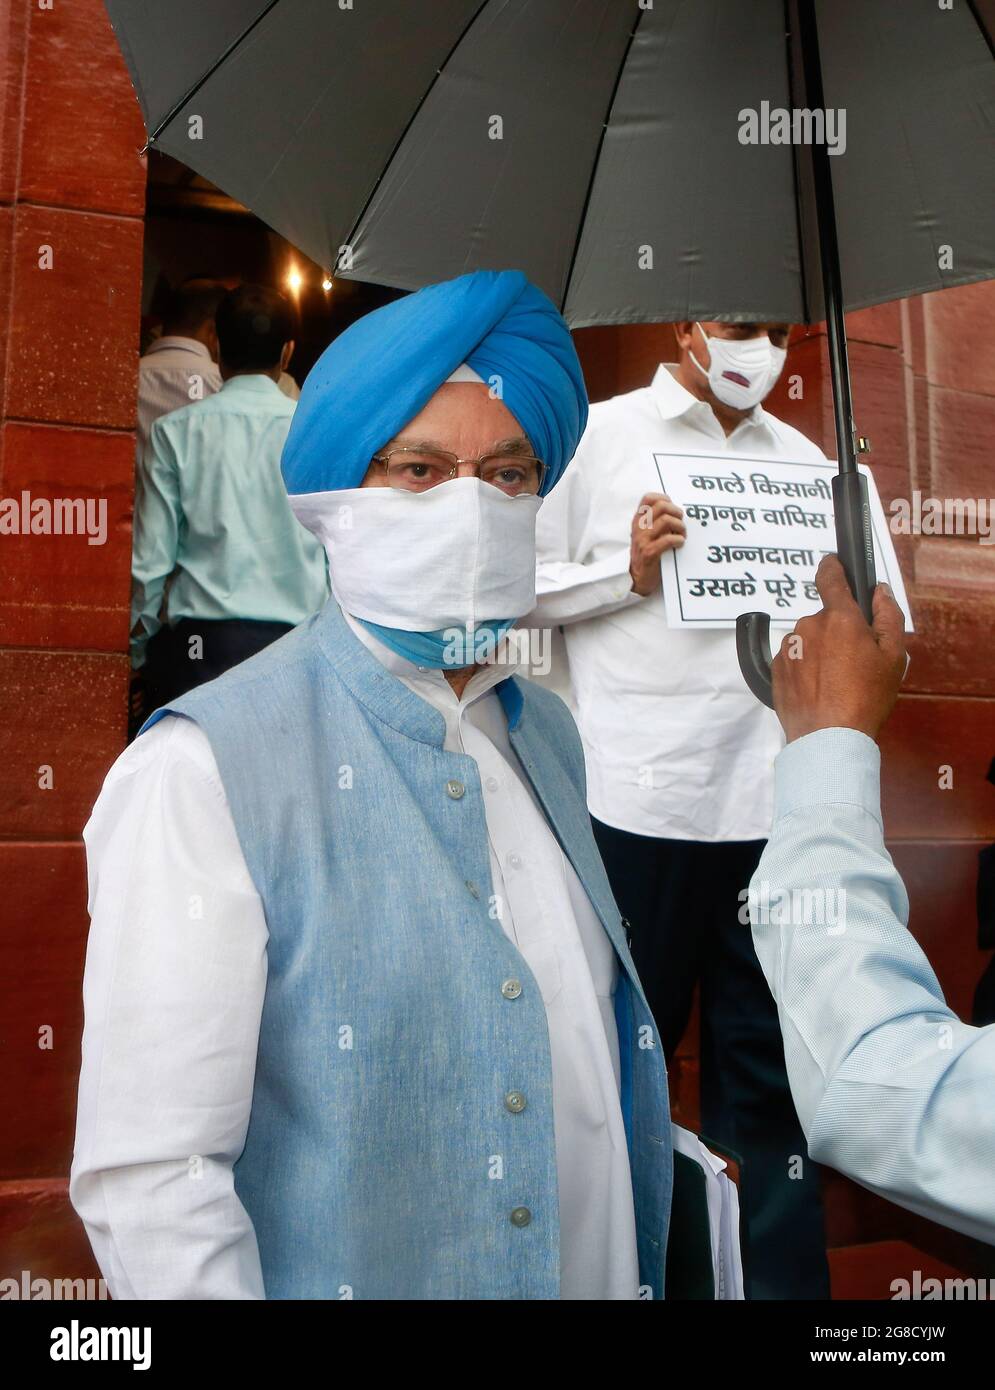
[{"x": 756, "y": 532}]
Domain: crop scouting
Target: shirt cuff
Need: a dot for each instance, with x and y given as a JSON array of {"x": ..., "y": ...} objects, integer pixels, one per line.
[
  {"x": 617, "y": 589},
  {"x": 828, "y": 767},
  {"x": 138, "y": 649}
]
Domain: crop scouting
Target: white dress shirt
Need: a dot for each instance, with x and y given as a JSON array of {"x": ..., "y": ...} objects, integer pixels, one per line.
[
  {"x": 175, "y": 372},
  {"x": 675, "y": 744},
  {"x": 162, "y": 823}
]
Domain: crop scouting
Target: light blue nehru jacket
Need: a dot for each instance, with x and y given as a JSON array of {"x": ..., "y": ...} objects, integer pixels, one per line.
[{"x": 381, "y": 1159}]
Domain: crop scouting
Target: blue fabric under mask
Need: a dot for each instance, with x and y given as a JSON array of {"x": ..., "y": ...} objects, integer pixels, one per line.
[{"x": 444, "y": 649}]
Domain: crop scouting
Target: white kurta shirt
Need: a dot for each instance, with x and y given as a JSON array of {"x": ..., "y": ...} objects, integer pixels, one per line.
[
  {"x": 676, "y": 746},
  {"x": 163, "y": 816},
  {"x": 173, "y": 373}
]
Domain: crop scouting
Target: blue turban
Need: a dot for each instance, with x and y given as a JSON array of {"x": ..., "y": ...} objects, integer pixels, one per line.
[{"x": 379, "y": 373}]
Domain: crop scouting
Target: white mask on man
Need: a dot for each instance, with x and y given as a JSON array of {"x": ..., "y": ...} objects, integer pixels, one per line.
[
  {"x": 741, "y": 371},
  {"x": 457, "y": 555}
]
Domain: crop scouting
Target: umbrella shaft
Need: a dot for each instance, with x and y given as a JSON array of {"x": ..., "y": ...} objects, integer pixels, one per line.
[{"x": 825, "y": 209}]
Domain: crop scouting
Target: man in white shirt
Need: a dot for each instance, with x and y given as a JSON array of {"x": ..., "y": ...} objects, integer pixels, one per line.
[
  {"x": 679, "y": 760},
  {"x": 361, "y": 1018},
  {"x": 182, "y": 365}
]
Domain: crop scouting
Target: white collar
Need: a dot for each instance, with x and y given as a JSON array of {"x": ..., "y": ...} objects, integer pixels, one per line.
[
  {"x": 177, "y": 343},
  {"x": 257, "y": 382},
  {"x": 674, "y": 400}
]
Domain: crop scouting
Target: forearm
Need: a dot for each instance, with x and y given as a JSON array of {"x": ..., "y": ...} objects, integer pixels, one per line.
[
  {"x": 167, "y": 1229},
  {"x": 173, "y": 991},
  {"x": 164, "y": 1098},
  {"x": 155, "y": 543},
  {"x": 890, "y": 1086},
  {"x": 146, "y": 601},
  {"x": 571, "y": 584},
  {"x": 569, "y": 592}
]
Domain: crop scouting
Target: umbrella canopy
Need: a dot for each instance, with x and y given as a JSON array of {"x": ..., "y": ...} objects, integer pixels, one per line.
[{"x": 602, "y": 146}]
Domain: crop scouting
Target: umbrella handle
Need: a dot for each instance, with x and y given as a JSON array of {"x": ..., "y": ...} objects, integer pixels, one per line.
[
  {"x": 855, "y": 547},
  {"x": 753, "y": 650}
]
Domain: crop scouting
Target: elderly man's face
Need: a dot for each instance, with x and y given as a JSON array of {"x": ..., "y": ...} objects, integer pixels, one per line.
[{"x": 463, "y": 418}]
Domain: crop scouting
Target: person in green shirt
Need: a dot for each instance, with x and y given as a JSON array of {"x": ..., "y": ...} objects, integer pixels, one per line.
[{"x": 220, "y": 565}]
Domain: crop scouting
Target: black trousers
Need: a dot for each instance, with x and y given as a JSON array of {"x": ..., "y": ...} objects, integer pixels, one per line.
[
  {"x": 195, "y": 651},
  {"x": 682, "y": 901}
]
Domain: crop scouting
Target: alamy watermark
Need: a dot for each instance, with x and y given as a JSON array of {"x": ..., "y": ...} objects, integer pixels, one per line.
[
  {"x": 54, "y": 516},
  {"x": 79, "y": 1342},
  {"x": 36, "y": 1288},
  {"x": 775, "y": 125},
  {"x": 968, "y": 1290},
  {"x": 794, "y": 907},
  {"x": 942, "y": 516},
  {"x": 469, "y": 645}
]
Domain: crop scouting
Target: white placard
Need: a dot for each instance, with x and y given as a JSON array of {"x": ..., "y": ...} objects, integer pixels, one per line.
[{"x": 756, "y": 532}]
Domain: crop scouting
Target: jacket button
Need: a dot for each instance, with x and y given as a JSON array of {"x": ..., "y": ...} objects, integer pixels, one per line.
[
  {"x": 521, "y": 1216},
  {"x": 515, "y": 1102},
  {"x": 511, "y": 989},
  {"x": 455, "y": 789}
]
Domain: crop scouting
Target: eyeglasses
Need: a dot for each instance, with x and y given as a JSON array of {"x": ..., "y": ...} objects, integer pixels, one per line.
[{"x": 417, "y": 470}]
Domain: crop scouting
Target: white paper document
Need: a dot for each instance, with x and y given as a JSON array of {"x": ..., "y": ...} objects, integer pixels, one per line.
[{"x": 756, "y": 532}]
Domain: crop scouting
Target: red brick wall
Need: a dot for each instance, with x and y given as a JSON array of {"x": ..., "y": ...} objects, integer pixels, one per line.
[{"x": 71, "y": 179}]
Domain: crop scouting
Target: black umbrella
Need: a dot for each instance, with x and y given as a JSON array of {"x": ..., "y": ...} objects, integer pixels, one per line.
[{"x": 603, "y": 146}]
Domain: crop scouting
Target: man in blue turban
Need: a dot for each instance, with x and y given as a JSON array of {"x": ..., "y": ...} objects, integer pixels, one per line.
[{"x": 361, "y": 1017}]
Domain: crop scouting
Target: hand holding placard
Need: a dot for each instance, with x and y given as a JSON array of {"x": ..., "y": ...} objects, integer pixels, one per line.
[{"x": 657, "y": 527}]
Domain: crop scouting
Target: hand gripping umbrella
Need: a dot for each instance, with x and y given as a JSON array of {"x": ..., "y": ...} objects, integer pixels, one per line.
[{"x": 604, "y": 147}]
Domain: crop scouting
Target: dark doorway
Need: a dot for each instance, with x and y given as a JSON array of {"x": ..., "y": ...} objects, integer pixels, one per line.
[{"x": 192, "y": 229}]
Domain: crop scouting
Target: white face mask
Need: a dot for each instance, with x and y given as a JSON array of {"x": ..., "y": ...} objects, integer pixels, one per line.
[
  {"x": 741, "y": 372},
  {"x": 461, "y": 553}
]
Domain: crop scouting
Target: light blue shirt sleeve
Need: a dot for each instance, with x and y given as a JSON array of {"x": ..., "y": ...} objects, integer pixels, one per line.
[
  {"x": 890, "y": 1086},
  {"x": 213, "y": 521},
  {"x": 155, "y": 539}
]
